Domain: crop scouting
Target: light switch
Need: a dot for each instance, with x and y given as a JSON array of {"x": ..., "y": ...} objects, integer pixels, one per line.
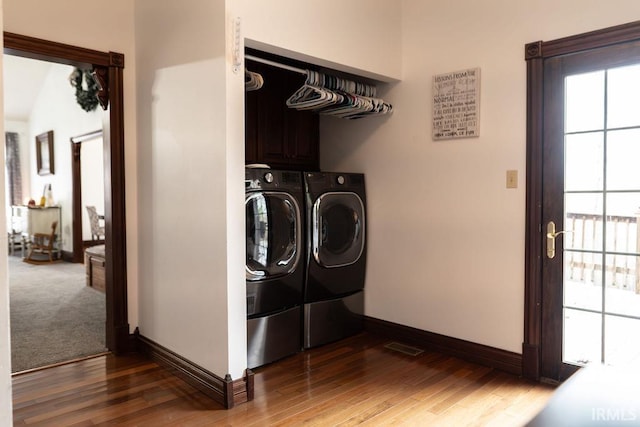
[{"x": 512, "y": 179}]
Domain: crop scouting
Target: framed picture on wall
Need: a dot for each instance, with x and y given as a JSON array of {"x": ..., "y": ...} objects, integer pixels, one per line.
[{"x": 44, "y": 153}]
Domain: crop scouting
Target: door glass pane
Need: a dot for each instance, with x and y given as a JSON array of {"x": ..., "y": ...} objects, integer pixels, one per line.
[
  {"x": 622, "y": 292},
  {"x": 583, "y": 219},
  {"x": 621, "y": 343},
  {"x": 584, "y": 160},
  {"x": 623, "y": 159},
  {"x": 623, "y": 210},
  {"x": 582, "y": 280},
  {"x": 623, "y": 96},
  {"x": 601, "y": 259},
  {"x": 582, "y": 332},
  {"x": 584, "y": 102}
]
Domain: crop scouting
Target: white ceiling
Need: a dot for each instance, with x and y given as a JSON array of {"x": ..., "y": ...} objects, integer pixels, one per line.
[{"x": 23, "y": 79}]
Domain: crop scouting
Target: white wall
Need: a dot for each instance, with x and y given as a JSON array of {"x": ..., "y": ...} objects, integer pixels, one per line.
[
  {"x": 189, "y": 285},
  {"x": 358, "y": 36},
  {"x": 446, "y": 238},
  {"x": 92, "y": 176},
  {"x": 56, "y": 109},
  {"x": 235, "y": 204}
]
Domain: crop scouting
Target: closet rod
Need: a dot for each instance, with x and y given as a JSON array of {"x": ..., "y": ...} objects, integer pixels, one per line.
[{"x": 275, "y": 64}]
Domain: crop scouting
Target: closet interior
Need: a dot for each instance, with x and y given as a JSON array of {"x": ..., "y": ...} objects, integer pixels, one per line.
[
  {"x": 283, "y": 101},
  {"x": 305, "y": 229},
  {"x": 276, "y": 135}
]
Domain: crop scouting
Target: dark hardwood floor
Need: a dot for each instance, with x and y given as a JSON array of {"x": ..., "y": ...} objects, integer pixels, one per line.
[{"x": 354, "y": 381}]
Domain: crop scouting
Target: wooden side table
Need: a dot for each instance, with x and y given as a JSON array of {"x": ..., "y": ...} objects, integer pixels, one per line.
[{"x": 94, "y": 262}]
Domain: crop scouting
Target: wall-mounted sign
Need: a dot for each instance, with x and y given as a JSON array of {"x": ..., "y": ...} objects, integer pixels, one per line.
[{"x": 456, "y": 104}]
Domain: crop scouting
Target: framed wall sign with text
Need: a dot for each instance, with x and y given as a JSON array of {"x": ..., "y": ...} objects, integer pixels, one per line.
[{"x": 456, "y": 104}]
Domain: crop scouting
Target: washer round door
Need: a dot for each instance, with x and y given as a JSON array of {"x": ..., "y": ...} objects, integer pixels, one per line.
[
  {"x": 274, "y": 234},
  {"x": 338, "y": 236}
]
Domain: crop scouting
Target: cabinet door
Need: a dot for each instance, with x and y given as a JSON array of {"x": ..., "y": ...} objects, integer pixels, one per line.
[
  {"x": 271, "y": 111},
  {"x": 281, "y": 137},
  {"x": 302, "y": 138}
]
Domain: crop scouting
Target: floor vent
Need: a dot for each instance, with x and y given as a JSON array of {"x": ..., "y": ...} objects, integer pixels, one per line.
[{"x": 403, "y": 348}]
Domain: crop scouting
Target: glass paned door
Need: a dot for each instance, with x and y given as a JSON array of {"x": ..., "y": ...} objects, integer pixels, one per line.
[{"x": 601, "y": 260}]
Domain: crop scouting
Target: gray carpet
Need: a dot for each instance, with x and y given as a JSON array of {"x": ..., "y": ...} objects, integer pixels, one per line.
[{"x": 55, "y": 317}]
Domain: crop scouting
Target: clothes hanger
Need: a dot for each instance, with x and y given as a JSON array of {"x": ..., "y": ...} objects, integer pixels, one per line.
[
  {"x": 331, "y": 95},
  {"x": 252, "y": 81}
]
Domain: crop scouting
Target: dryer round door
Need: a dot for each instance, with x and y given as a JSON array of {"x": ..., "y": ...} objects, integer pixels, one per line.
[
  {"x": 337, "y": 234},
  {"x": 274, "y": 234}
]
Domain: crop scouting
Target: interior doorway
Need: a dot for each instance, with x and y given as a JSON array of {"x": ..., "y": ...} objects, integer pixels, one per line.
[
  {"x": 108, "y": 67},
  {"x": 55, "y": 315},
  {"x": 86, "y": 179},
  {"x": 583, "y": 203}
]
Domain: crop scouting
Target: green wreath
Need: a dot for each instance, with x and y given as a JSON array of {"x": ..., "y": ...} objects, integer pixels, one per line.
[{"x": 86, "y": 98}]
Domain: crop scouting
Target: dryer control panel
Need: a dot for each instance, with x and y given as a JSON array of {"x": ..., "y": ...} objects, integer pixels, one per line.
[
  {"x": 322, "y": 181},
  {"x": 269, "y": 179}
]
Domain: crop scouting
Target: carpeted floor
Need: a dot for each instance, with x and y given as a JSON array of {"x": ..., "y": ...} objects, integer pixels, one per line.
[{"x": 55, "y": 317}]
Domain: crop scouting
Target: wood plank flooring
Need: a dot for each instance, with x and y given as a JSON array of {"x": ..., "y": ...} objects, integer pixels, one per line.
[{"x": 355, "y": 381}]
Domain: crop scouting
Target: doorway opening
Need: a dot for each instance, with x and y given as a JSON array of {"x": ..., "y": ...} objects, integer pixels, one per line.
[
  {"x": 107, "y": 67},
  {"x": 55, "y": 317},
  {"x": 87, "y": 178}
]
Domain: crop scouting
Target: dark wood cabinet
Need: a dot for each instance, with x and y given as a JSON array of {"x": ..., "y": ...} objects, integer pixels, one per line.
[{"x": 282, "y": 137}]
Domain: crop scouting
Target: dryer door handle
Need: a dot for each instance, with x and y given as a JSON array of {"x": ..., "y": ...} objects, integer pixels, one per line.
[{"x": 254, "y": 274}]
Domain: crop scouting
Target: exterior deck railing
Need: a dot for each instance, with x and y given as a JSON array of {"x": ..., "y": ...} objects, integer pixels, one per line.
[{"x": 583, "y": 245}]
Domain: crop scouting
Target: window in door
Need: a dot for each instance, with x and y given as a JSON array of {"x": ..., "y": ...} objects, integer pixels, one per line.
[{"x": 601, "y": 289}]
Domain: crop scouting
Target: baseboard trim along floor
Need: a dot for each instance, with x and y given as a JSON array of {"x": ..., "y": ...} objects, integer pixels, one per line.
[
  {"x": 223, "y": 390},
  {"x": 466, "y": 350}
]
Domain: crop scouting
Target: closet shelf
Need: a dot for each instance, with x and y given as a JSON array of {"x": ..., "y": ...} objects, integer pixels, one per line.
[{"x": 327, "y": 94}]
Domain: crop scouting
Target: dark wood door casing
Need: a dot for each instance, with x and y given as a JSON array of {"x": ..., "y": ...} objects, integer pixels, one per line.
[
  {"x": 76, "y": 182},
  {"x": 108, "y": 66},
  {"x": 76, "y": 191},
  {"x": 553, "y": 161},
  {"x": 536, "y": 55}
]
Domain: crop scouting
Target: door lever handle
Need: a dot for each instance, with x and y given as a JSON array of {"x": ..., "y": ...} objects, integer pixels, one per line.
[{"x": 551, "y": 238}]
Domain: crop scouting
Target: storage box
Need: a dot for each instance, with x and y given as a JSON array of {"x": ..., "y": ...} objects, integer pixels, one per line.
[{"x": 94, "y": 263}]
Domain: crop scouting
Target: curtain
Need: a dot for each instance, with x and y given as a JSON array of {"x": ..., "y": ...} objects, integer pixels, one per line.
[{"x": 14, "y": 177}]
